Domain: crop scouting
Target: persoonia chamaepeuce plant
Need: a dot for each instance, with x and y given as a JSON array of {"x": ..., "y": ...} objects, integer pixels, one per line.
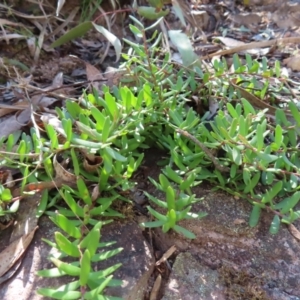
[{"x": 250, "y": 153}]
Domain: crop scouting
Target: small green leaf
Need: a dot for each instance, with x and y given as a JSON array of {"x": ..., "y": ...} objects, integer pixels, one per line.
[
  {"x": 184, "y": 231},
  {"x": 153, "y": 224},
  {"x": 278, "y": 136},
  {"x": 111, "y": 38},
  {"x": 115, "y": 155},
  {"x": 83, "y": 191},
  {"x": 157, "y": 215},
  {"x": 54, "y": 294},
  {"x": 267, "y": 158},
  {"x": 22, "y": 150},
  {"x": 90, "y": 132},
  {"x": 111, "y": 105},
  {"x": 43, "y": 204},
  {"x": 172, "y": 175},
  {"x": 50, "y": 273},
  {"x": 171, "y": 218},
  {"x": 274, "y": 228},
  {"x": 259, "y": 137},
  {"x": 66, "y": 291},
  {"x": 72, "y": 34},
  {"x": 188, "y": 182},
  {"x": 246, "y": 176},
  {"x": 184, "y": 46},
  {"x": 236, "y": 156},
  {"x": 66, "y": 225},
  {"x": 248, "y": 108},
  {"x": 85, "y": 264},
  {"x": 76, "y": 209},
  {"x": 255, "y": 215},
  {"x": 170, "y": 197},
  {"x": 271, "y": 194},
  {"x": 94, "y": 294},
  {"x": 66, "y": 246},
  {"x": 254, "y": 181},
  {"x": 136, "y": 31},
  {"x": 48, "y": 165},
  {"x": 105, "y": 255},
  {"x": 150, "y": 13},
  {"x": 295, "y": 112},
  {"x": 290, "y": 202},
  {"x": 91, "y": 241},
  {"x": 67, "y": 268},
  {"x": 67, "y": 126},
  {"x": 6, "y": 195},
  {"x": 165, "y": 183},
  {"x": 75, "y": 162},
  {"x": 232, "y": 110},
  {"x": 52, "y": 134}
]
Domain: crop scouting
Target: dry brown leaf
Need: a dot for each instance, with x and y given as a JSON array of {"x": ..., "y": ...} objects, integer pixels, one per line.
[
  {"x": 201, "y": 18},
  {"x": 293, "y": 62},
  {"x": 246, "y": 19},
  {"x": 230, "y": 42},
  {"x": 92, "y": 166},
  {"x": 156, "y": 287},
  {"x": 62, "y": 174},
  {"x": 94, "y": 75},
  {"x": 114, "y": 75},
  {"x": 11, "y": 272},
  {"x": 287, "y": 16},
  {"x": 17, "y": 121},
  {"x": 294, "y": 231},
  {"x": 6, "y": 109},
  {"x": 10, "y": 255}
]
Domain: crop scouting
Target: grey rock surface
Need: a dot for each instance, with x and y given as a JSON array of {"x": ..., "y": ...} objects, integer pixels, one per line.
[
  {"x": 190, "y": 280},
  {"x": 136, "y": 258}
]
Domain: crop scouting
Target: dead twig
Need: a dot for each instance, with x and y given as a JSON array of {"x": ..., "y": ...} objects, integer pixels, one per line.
[{"x": 217, "y": 165}]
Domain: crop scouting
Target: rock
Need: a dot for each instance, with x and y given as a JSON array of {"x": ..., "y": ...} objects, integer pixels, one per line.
[
  {"x": 137, "y": 260},
  {"x": 250, "y": 261},
  {"x": 191, "y": 280}
]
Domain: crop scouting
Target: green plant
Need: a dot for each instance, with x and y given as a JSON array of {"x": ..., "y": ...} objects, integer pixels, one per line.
[
  {"x": 82, "y": 244},
  {"x": 177, "y": 203}
]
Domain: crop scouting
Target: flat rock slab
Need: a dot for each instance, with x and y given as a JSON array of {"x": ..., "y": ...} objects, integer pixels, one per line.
[
  {"x": 190, "y": 280},
  {"x": 250, "y": 262},
  {"x": 137, "y": 260}
]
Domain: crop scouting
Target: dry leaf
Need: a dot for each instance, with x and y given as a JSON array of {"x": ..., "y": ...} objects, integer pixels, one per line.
[
  {"x": 156, "y": 287},
  {"x": 294, "y": 231},
  {"x": 62, "y": 174},
  {"x": 14, "y": 251},
  {"x": 94, "y": 76},
  {"x": 17, "y": 121},
  {"x": 92, "y": 165},
  {"x": 246, "y": 19},
  {"x": 287, "y": 16},
  {"x": 293, "y": 62}
]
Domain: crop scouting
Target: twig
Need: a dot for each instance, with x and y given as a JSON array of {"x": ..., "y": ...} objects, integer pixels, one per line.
[{"x": 217, "y": 165}]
